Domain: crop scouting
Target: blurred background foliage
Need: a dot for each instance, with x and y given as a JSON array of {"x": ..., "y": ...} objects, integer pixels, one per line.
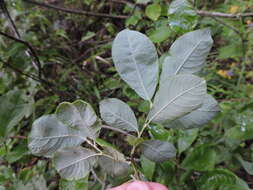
[{"x": 74, "y": 53}]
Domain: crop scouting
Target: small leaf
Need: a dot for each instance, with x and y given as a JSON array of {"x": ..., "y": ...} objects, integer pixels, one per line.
[
  {"x": 69, "y": 127},
  {"x": 114, "y": 164},
  {"x": 188, "y": 53},
  {"x": 153, "y": 11},
  {"x": 186, "y": 138},
  {"x": 158, "y": 151},
  {"x": 221, "y": 179},
  {"x": 136, "y": 60},
  {"x": 79, "y": 115},
  {"x": 118, "y": 114},
  {"x": 75, "y": 163},
  {"x": 13, "y": 108},
  {"x": 177, "y": 96},
  {"x": 202, "y": 158},
  {"x": 198, "y": 117},
  {"x": 180, "y": 6},
  {"x": 81, "y": 184},
  {"x": 160, "y": 34},
  {"x": 248, "y": 166},
  {"x": 148, "y": 167}
]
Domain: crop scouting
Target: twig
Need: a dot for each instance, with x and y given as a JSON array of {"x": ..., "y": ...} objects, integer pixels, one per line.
[
  {"x": 73, "y": 11},
  {"x": 33, "y": 52},
  {"x": 225, "y": 15},
  {"x": 18, "y": 137},
  {"x": 30, "y": 53},
  {"x": 19, "y": 71},
  {"x": 97, "y": 178},
  {"x": 229, "y": 26},
  {"x": 117, "y": 130}
]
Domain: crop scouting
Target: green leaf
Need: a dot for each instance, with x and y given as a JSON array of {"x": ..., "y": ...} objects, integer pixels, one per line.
[
  {"x": 118, "y": 114},
  {"x": 248, "y": 166},
  {"x": 182, "y": 16},
  {"x": 69, "y": 127},
  {"x": 221, "y": 179},
  {"x": 179, "y": 6},
  {"x": 177, "y": 96},
  {"x": 153, "y": 11},
  {"x": 136, "y": 60},
  {"x": 188, "y": 53},
  {"x": 202, "y": 158},
  {"x": 158, "y": 151},
  {"x": 79, "y": 115},
  {"x": 115, "y": 164},
  {"x": 75, "y": 163},
  {"x": 13, "y": 108},
  {"x": 186, "y": 138},
  {"x": 160, "y": 34},
  {"x": 81, "y": 184},
  {"x": 148, "y": 167},
  {"x": 198, "y": 117}
]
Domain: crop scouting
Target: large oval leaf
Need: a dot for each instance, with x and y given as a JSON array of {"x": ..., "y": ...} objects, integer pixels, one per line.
[
  {"x": 136, "y": 60},
  {"x": 115, "y": 165},
  {"x": 198, "y": 117},
  {"x": 118, "y": 114},
  {"x": 67, "y": 128},
  {"x": 158, "y": 151},
  {"x": 75, "y": 163},
  {"x": 188, "y": 53},
  {"x": 177, "y": 96}
]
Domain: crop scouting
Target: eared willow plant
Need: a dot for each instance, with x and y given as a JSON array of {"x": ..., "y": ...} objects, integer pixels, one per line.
[{"x": 178, "y": 99}]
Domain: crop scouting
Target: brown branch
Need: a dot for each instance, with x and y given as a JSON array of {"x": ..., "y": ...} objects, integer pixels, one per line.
[
  {"x": 32, "y": 51},
  {"x": 73, "y": 11},
  {"x": 225, "y": 15}
]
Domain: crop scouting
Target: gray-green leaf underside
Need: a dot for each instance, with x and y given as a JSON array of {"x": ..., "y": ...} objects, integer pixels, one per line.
[
  {"x": 115, "y": 165},
  {"x": 136, "y": 60},
  {"x": 198, "y": 117},
  {"x": 177, "y": 96},
  {"x": 75, "y": 163},
  {"x": 68, "y": 127},
  {"x": 188, "y": 53},
  {"x": 158, "y": 151},
  {"x": 118, "y": 114}
]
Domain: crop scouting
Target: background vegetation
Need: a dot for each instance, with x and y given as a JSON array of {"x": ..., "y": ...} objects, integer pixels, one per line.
[{"x": 60, "y": 50}]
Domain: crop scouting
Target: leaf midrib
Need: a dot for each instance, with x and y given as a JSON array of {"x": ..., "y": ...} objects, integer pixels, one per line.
[
  {"x": 137, "y": 68},
  {"x": 173, "y": 99},
  {"x": 187, "y": 57},
  {"x": 118, "y": 116}
]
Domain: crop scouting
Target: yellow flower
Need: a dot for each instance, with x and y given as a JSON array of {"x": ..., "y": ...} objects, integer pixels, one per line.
[
  {"x": 225, "y": 74},
  {"x": 234, "y": 9},
  {"x": 249, "y": 22}
]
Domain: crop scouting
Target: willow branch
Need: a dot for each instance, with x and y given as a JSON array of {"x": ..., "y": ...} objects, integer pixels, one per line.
[
  {"x": 117, "y": 130},
  {"x": 73, "y": 11},
  {"x": 32, "y": 51},
  {"x": 225, "y": 15}
]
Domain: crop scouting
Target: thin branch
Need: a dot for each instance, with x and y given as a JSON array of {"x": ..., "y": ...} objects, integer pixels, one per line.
[
  {"x": 19, "y": 71},
  {"x": 225, "y": 15},
  {"x": 30, "y": 53},
  {"x": 73, "y": 11},
  {"x": 229, "y": 26},
  {"x": 33, "y": 52},
  {"x": 117, "y": 130}
]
